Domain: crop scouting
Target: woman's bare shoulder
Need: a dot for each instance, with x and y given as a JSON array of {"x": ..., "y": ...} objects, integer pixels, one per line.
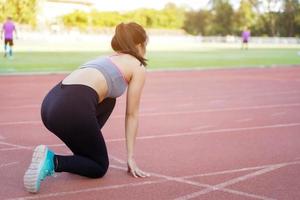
[{"x": 130, "y": 60}]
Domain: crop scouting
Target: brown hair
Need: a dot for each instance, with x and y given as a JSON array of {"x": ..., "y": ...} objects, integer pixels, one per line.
[{"x": 126, "y": 37}]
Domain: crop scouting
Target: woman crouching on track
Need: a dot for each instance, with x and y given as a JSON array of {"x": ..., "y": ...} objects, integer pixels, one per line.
[{"x": 76, "y": 109}]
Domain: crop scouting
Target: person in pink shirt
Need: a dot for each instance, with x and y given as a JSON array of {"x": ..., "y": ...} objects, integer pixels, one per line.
[
  {"x": 8, "y": 29},
  {"x": 245, "y": 37}
]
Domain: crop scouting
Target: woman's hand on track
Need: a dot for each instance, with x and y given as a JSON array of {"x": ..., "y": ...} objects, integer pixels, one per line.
[{"x": 134, "y": 170}]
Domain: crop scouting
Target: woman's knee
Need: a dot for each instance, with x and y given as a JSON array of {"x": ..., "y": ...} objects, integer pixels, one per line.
[{"x": 101, "y": 170}]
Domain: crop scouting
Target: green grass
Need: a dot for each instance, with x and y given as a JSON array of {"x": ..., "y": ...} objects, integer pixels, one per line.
[{"x": 211, "y": 58}]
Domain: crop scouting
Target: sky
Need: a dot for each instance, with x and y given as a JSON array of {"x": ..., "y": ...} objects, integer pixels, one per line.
[{"x": 121, "y": 5}]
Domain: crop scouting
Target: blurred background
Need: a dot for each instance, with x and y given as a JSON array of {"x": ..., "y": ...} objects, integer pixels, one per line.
[{"x": 202, "y": 30}]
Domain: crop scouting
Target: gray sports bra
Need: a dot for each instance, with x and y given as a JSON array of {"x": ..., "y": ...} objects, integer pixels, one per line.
[{"x": 116, "y": 82}]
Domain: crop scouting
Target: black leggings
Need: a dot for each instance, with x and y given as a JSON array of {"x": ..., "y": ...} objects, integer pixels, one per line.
[{"x": 73, "y": 114}]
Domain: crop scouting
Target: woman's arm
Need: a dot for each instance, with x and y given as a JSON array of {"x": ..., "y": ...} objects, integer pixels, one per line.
[{"x": 131, "y": 120}]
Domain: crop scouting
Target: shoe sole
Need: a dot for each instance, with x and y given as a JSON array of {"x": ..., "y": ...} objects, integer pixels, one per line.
[{"x": 32, "y": 175}]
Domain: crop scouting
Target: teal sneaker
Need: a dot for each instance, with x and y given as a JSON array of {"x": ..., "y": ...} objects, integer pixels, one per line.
[{"x": 41, "y": 166}]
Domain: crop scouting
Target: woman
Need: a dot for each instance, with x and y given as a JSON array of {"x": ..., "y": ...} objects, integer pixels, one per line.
[{"x": 77, "y": 108}]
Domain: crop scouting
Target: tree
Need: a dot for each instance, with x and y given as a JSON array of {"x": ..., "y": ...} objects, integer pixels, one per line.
[
  {"x": 222, "y": 18},
  {"x": 297, "y": 23},
  {"x": 174, "y": 16},
  {"x": 288, "y": 17},
  {"x": 267, "y": 11},
  {"x": 215, "y": 3},
  {"x": 198, "y": 22},
  {"x": 22, "y": 11},
  {"x": 171, "y": 17},
  {"x": 244, "y": 16},
  {"x": 77, "y": 18}
]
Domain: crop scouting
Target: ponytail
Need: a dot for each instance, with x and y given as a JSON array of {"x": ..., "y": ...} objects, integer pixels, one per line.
[{"x": 126, "y": 37}]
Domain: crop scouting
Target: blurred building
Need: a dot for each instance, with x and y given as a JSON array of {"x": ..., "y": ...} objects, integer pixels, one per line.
[{"x": 50, "y": 11}]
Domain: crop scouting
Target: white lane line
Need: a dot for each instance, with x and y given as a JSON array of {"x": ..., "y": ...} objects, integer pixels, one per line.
[
  {"x": 210, "y": 131},
  {"x": 189, "y": 182},
  {"x": 183, "y": 105},
  {"x": 223, "y": 96},
  {"x": 15, "y": 145},
  {"x": 94, "y": 189},
  {"x": 20, "y": 123},
  {"x": 217, "y": 101},
  {"x": 8, "y": 164},
  {"x": 18, "y": 147},
  {"x": 152, "y": 99},
  {"x": 254, "y": 196},
  {"x": 273, "y": 93},
  {"x": 227, "y": 183},
  {"x": 278, "y": 114},
  {"x": 234, "y": 181},
  {"x": 175, "y": 113},
  {"x": 22, "y": 106},
  {"x": 239, "y": 170},
  {"x": 11, "y": 149},
  {"x": 116, "y": 159},
  {"x": 244, "y": 120},
  {"x": 216, "y": 110},
  {"x": 180, "y": 180},
  {"x": 197, "y": 128}
]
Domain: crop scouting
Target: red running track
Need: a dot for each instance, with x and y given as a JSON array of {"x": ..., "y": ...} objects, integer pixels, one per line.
[{"x": 211, "y": 134}]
